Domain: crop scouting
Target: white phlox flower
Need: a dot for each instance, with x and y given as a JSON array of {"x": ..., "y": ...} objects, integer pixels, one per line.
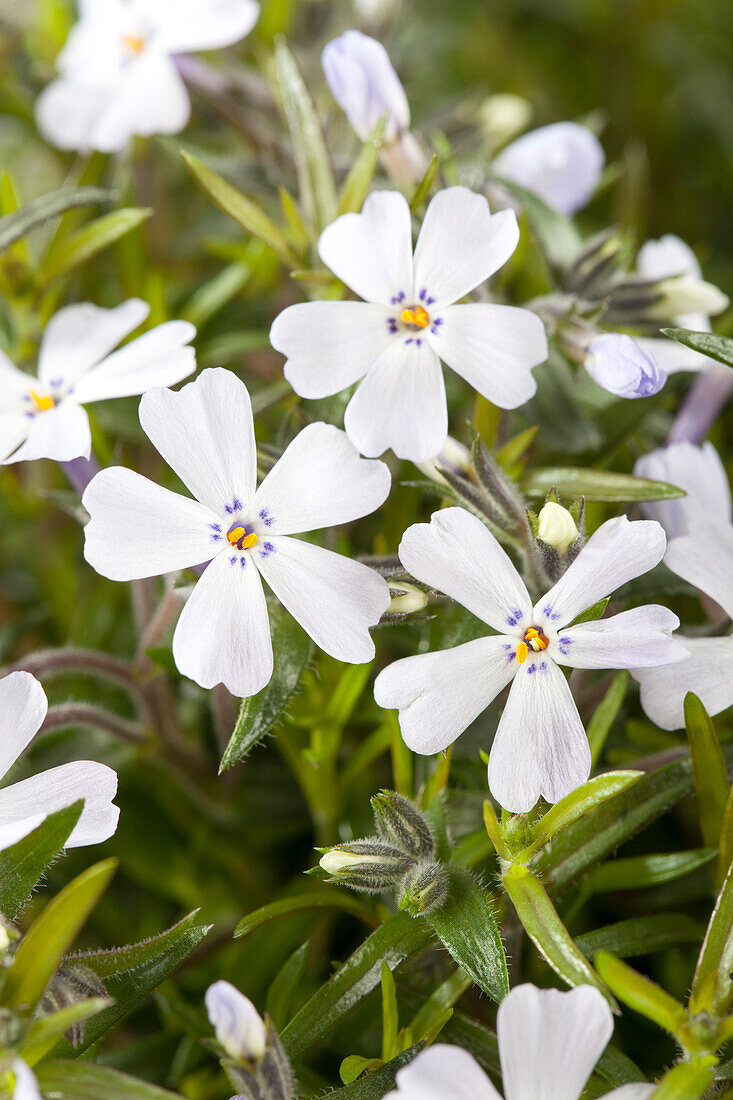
[
  {"x": 696, "y": 469},
  {"x": 44, "y": 416},
  {"x": 540, "y": 747},
  {"x": 562, "y": 163},
  {"x": 365, "y": 85},
  {"x": 395, "y": 339},
  {"x": 237, "y": 1023},
  {"x": 118, "y": 77},
  {"x": 623, "y": 367},
  {"x": 669, "y": 258},
  {"x": 25, "y": 804},
  {"x": 549, "y": 1042},
  {"x": 26, "y": 1085},
  {"x": 205, "y": 432}
]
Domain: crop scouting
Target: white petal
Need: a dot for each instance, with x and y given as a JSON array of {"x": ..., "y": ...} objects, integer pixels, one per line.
[
  {"x": 639, "y": 638},
  {"x": 458, "y": 555},
  {"x": 494, "y": 348},
  {"x": 330, "y": 345},
  {"x": 151, "y": 99},
  {"x": 237, "y": 1023},
  {"x": 400, "y": 405},
  {"x": 667, "y": 257},
  {"x": 139, "y": 529},
  {"x": 14, "y": 383},
  {"x": 26, "y": 1086},
  {"x": 223, "y": 634},
  {"x": 697, "y": 470},
  {"x": 443, "y": 1072},
  {"x": 440, "y": 694},
  {"x": 23, "y": 707},
  {"x": 14, "y": 428},
  {"x": 562, "y": 163},
  {"x": 333, "y": 598},
  {"x": 189, "y": 25},
  {"x": 61, "y": 434},
  {"x": 549, "y": 1041},
  {"x": 708, "y": 671},
  {"x": 616, "y": 553},
  {"x": 461, "y": 243},
  {"x": 372, "y": 252},
  {"x": 320, "y": 481},
  {"x": 15, "y": 831},
  {"x": 67, "y": 113},
  {"x": 205, "y": 432},
  {"x": 57, "y": 788},
  {"x": 158, "y": 358},
  {"x": 80, "y": 336},
  {"x": 705, "y": 558},
  {"x": 540, "y": 746}
]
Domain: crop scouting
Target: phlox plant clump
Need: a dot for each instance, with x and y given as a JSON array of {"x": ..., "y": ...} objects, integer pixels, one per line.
[{"x": 280, "y": 595}]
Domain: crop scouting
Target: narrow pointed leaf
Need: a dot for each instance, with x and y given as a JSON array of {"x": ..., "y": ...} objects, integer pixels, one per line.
[
  {"x": 641, "y": 935},
  {"x": 284, "y": 986},
  {"x": 424, "y": 187},
  {"x": 713, "y": 981},
  {"x": 467, "y": 929},
  {"x": 576, "y": 481},
  {"x": 606, "y": 714},
  {"x": 708, "y": 769},
  {"x": 42, "y": 1035},
  {"x": 581, "y": 800},
  {"x": 82, "y": 245},
  {"x": 35, "y": 213},
  {"x": 84, "y": 1081},
  {"x": 638, "y": 872},
  {"x": 304, "y": 903},
  {"x": 641, "y": 994},
  {"x": 22, "y": 865},
  {"x": 707, "y": 343},
  {"x": 358, "y": 181}
]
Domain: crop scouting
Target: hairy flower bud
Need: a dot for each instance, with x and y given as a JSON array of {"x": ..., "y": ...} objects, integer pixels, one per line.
[
  {"x": 556, "y": 527},
  {"x": 237, "y": 1024},
  {"x": 400, "y": 821},
  {"x": 367, "y": 865},
  {"x": 622, "y": 367},
  {"x": 364, "y": 84},
  {"x": 453, "y": 457},
  {"x": 406, "y": 599},
  {"x": 425, "y": 889}
]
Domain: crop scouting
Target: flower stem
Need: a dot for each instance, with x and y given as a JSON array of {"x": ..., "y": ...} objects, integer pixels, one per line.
[{"x": 84, "y": 714}]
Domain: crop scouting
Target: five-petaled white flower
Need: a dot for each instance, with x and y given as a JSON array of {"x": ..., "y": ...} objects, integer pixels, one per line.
[
  {"x": 205, "y": 432},
  {"x": 118, "y": 77},
  {"x": 24, "y": 805},
  {"x": 43, "y": 416},
  {"x": 562, "y": 163},
  {"x": 540, "y": 746},
  {"x": 409, "y": 322},
  {"x": 238, "y": 1025},
  {"x": 700, "y": 551},
  {"x": 549, "y": 1042}
]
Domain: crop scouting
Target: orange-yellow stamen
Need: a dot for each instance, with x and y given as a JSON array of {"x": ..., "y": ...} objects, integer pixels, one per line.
[
  {"x": 134, "y": 42},
  {"x": 533, "y": 639},
  {"x": 238, "y": 537},
  {"x": 416, "y": 316},
  {"x": 42, "y": 401},
  {"x": 521, "y": 653}
]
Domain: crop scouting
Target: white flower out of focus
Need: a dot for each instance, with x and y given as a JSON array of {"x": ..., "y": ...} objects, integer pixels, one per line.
[
  {"x": 205, "y": 432},
  {"x": 540, "y": 747},
  {"x": 556, "y": 526},
  {"x": 697, "y": 470},
  {"x": 24, "y": 805},
  {"x": 118, "y": 77},
  {"x": 236, "y": 1022},
  {"x": 549, "y": 1042},
  {"x": 561, "y": 163},
  {"x": 408, "y": 322},
  {"x": 26, "y": 1085},
  {"x": 43, "y": 416},
  {"x": 623, "y": 367},
  {"x": 365, "y": 85}
]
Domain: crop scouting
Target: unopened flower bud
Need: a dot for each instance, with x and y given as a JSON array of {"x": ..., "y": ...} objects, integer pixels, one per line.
[
  {"x": 364, "y": 84},
  {"x": 425, "y": 889},
  {"x": 556, "y": 527},
  {"x": 561, "y": 163},
  {"x": 406, "y": 598},
  {"x": 685, "y": 294},
  {"x": 622, "y": 367},
  {"x": 502, "y": 117},
  {"x": 237, "y": 1024},
  {"x": 367, "y": 865},
  {"x": 454, "y": 457},
  {"x": 400, "y": 821}
]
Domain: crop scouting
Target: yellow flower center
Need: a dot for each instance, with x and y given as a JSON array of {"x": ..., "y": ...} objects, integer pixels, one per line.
[
  {"x": 415, "y": 316},
  {"x": 533, "y": 639},
  {"x": 238, "y": 537},
  {"x": 134, "y": 43},
  {"x": 42, "y": 401}
]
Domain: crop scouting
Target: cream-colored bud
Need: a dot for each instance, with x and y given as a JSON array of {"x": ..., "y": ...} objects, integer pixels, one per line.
[
  {"x": 337, "y": 861},
  {"x": 453, "y": 456},
  {"x": 237, "y": 1023},
  {"x": 406, "y": 599},
  {"x": 502, "y": 117},
  {"x": 556, "y": 527},
  {"x": 686, "y": 294}
]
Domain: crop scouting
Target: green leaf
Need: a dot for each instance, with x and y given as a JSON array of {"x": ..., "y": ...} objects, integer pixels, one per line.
[
  {"x": 435, "y": 1007},
  {"x": 292, "y": 649},
  {"x": 424, "y": 187},
  {"x": 242, "y": 210},
  {"x": 686, "y": 1081},
  {"x": 468, "y": 931},
  {"x": 638, "y": 872},
  {"x": 390, "y": 1013},
  {"x": 708, "y": 770},
  {"x": 512, "y": 451},
  {"x": 79, "y": 247},
  {"x": 284, "y": 986},
  {"x": 131, "y": 973},
  {"x": 50, "y": 936},
  {"x": 22, "y": 865},
  {"x": 358, "y": 181},
  {"x": 606, "y": 714},
  {"x": 707, "y": 343},
  {"x": 549, "y": 935},
  {"x": 84, "y": 1081},
  {"x": 712, "y": 986},
  {"x": 395, "y": 941},
  {"x": 580, "y": 801},
  {"x": 16, "y": 225},
  {"x": 304, "y": 903},
  {"x": 374, "y": 1086},
  {"x": 355, "y": 1064},
  {"x": 592, "y": 613},
  {"x": 641, "y": 935},
  {"x": 575, "y": 481},
  {"x": 556, "y": 234},
  {"x": 43, "y": 1033},
  {"x": 726, "y": 836},
  {"x": 316, "y": 187},
  {"x": 641, "y": 994}
]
